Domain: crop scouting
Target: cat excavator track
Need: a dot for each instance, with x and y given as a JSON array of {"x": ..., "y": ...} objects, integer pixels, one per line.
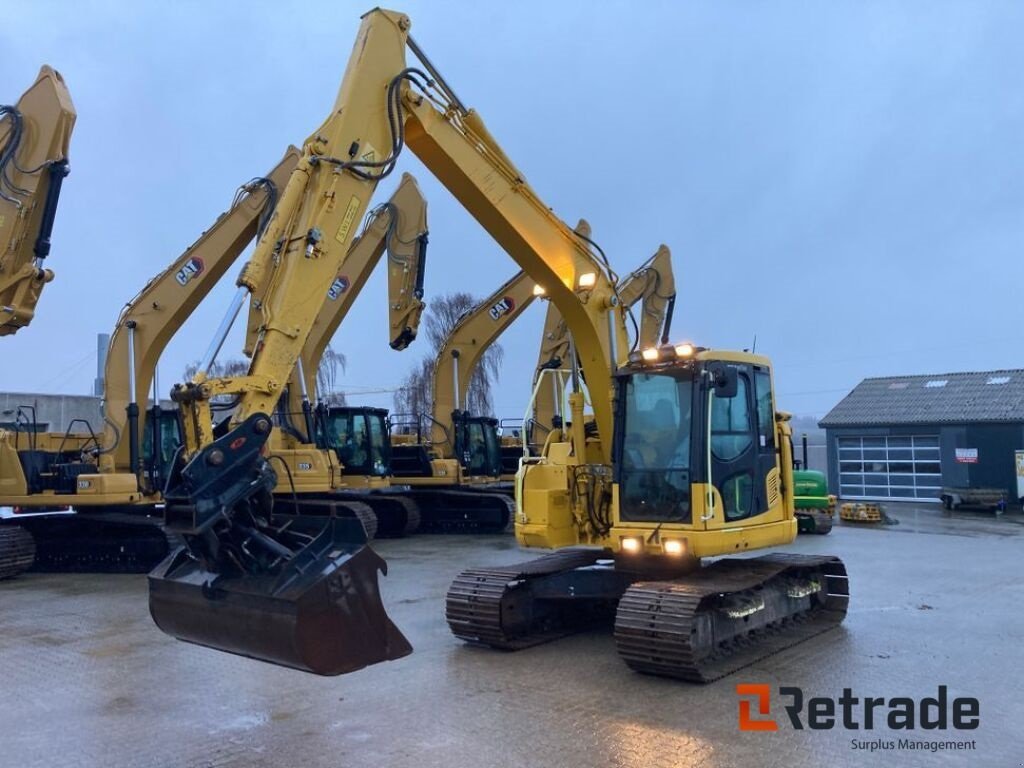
[
  {"x": 483, "y": 510},
  {"x": 17, "y": 551},
  {"x": 97, "y": 542},
  {"x": 397, "y": 515},
  {"x": 729, "y": 615},
  {"x": 286, "y": 508}
]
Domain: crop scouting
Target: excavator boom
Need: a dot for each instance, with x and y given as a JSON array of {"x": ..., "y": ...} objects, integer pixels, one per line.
[{"x": 35, "y": 135}]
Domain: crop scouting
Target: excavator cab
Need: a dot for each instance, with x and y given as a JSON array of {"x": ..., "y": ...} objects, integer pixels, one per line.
[
  {"x": 359, "y": 436},
  {"x": 684, "y": 420},
  {"x": 477, "y": 445},
  {"x": 161, "y": 443}
]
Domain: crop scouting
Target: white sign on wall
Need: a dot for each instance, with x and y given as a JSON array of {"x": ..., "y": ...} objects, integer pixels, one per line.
[
  {"x": 967, "y": 455},
  {"x": 1020, "y": 473}
]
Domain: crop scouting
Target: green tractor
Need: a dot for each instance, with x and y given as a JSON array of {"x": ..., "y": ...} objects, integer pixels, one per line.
[{"x": 814, "y": 506}]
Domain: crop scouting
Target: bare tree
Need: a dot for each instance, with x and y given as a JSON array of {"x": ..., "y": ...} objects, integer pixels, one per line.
[
  {"x": 415, "y": 394},
  {"x": 328, "y": 373},
  {"x": 412, "y": 400},
  {"x": 232, "y": 367}
]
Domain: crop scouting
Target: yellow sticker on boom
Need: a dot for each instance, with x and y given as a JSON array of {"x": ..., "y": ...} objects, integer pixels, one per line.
[{"x": 347, "y": 219}]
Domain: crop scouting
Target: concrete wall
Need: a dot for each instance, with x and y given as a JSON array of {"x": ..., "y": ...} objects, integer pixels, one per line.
[{"x": 54, "y": 413}]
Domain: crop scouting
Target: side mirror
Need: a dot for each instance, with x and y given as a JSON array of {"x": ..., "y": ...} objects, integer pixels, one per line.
[{"x": 724, "y": 379}]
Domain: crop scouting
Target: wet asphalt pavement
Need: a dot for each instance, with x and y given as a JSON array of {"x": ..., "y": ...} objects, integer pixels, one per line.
[{"x": 88, "y": 680}]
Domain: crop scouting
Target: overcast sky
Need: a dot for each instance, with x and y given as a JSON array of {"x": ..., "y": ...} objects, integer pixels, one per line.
[{"x": 842, "y": 180}]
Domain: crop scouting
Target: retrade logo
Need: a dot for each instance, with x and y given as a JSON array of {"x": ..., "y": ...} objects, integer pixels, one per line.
[
  {"x": 854, "y": 713},
  {"x": 762, "y": 693},
  {"x": 192, "y": 268},
  {"x": 502, "y": 307}
]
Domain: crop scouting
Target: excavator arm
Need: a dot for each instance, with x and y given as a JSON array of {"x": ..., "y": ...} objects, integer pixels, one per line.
[
  {"x": 653, "y": 283},
  {"x": 149, "y": 321},
  {"x": 467, "y": 342},
  {"x": 397, "y": 227},
  {"x": 35, "y": 135}
]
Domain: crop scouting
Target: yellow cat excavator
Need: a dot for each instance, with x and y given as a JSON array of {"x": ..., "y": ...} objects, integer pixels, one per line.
[
  {"x": 35, "y": 136},
  {"x": 115, "y": 478},
  {"x": 336, "y": 459},
  {"x": 454, "y": 474},
  {"x": 685, "y": 459}
]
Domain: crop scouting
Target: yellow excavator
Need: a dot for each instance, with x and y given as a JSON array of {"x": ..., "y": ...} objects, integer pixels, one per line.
[
  {"x": 454, "y": 471},
  {"x": 685, "y": 458},
  {"x": 35, "y": 137},
  {"x": 114, "y": 479},
  {"x": 336, "y": 459}
]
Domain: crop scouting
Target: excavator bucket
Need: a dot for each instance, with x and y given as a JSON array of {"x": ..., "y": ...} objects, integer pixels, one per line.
[{"x": 320, "y": 613}]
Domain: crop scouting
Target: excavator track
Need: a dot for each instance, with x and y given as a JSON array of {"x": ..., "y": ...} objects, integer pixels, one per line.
[
  {"x": 729, "y": 615},
  {"x": 285, "y": 508},
  {"x": 498, "y": 607},
  {"x": 97, "y": 542},
  {"x": 365, "y": 514},
  {"x": 17, "y": 551},
  {"x": 464, "y": 511},
  {"x": 397, "y": 514}
]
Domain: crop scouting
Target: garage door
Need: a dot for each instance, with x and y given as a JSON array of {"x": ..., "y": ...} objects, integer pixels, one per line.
[{"x": 890, "y": 468}]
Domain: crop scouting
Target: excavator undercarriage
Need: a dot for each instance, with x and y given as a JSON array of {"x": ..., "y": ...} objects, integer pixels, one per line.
[{"x": 699, "y": 627}]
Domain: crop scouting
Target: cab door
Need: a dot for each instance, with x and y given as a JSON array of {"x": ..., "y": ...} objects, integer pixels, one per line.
[{"x": 743, "y": 450}]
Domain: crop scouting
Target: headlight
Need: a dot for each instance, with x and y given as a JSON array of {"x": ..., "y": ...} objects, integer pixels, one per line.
[
  {"x": 650, "y": 354},
  {"x": 684, "y": 350},
  {"x": 538, "y": 290},
  {"x": 673, "y": 547},
  {"x": 588, "y": 280},
  {"x": 631, "y": 544}
]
